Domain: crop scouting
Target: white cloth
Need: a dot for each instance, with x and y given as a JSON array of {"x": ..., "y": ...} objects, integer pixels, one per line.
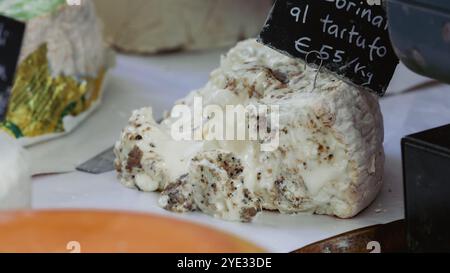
[{"x": 15, "y": 178}]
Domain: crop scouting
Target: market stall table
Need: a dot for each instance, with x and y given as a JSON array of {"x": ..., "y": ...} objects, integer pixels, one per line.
[{"x": 159, "y": 81}]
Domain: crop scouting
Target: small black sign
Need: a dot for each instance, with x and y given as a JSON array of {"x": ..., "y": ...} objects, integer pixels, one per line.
[
  {"x": 11, "y": 36},
  {"x": 348, "y": 37}
]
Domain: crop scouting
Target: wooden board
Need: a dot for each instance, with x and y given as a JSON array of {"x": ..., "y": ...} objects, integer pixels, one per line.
[{"x": 386, "y": 238}]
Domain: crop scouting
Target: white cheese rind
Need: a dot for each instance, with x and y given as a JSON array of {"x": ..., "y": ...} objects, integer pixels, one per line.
[
  {"x": 73, "y": 35},
  {"x": 329, "y": 160}
]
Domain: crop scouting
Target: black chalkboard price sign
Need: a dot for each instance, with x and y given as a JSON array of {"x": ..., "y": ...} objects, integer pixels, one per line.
[
  {"x": 348, "y": 37},
  {"x": 11, "y": 36}
]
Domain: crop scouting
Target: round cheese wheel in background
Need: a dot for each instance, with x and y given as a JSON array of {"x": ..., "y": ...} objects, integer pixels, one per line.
[
  {"x": 15, "y": 181},
  {"x": 152, "y": 26}
]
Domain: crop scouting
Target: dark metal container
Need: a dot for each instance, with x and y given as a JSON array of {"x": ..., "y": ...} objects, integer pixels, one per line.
[
  {"x": 420, "y": 33},
  {"x": 426, "y": 172}
]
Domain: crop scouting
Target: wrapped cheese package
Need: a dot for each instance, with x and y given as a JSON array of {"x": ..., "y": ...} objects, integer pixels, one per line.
[{"x": 61, "y": 69}]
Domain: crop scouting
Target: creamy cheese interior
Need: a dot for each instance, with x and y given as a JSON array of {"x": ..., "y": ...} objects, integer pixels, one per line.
[{"x": 329, "y": 159}]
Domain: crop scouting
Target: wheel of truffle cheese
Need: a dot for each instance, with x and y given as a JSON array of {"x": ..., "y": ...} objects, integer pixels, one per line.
[
  {"x": 328, "y": 159},
  {"x": 151, "y": 26},
  {"x": 15, "y": 184}
]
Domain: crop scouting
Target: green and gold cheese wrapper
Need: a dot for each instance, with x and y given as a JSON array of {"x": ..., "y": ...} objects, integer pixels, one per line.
[
  {"x": 39, "y": 102},
  {"x": 61, "y": 72}
]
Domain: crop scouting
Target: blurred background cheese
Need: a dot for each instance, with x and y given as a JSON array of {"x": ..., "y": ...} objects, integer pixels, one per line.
[
  {"x": 15, "y": 180},
  {"x": 152, "y": 26}
]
